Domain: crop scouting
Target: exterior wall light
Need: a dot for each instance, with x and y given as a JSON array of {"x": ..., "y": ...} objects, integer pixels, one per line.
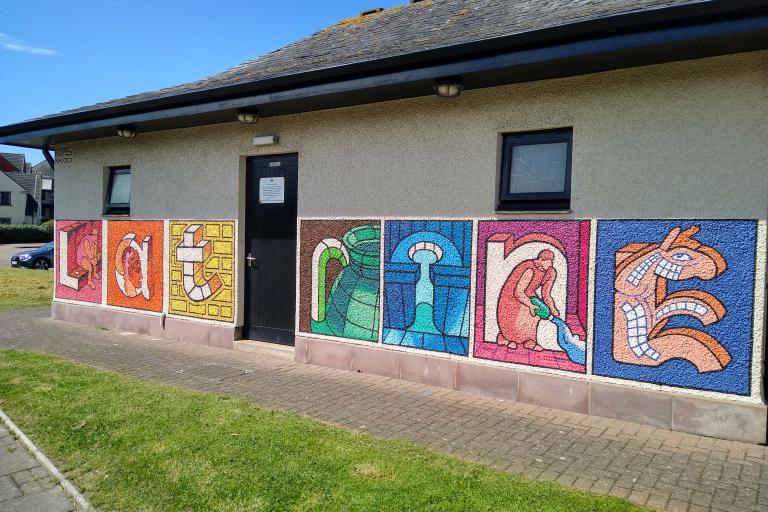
[
  {"x": 266, "y": 140},
  {"x": 449, "y": 88},
  {"x": 248, "y": 116},
  {"x": 126, "y": 132}
]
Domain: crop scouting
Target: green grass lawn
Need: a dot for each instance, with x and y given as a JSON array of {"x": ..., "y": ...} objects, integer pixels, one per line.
[
  {"x": 24, "y": 288},
  {"x": 138, "y": 446}
]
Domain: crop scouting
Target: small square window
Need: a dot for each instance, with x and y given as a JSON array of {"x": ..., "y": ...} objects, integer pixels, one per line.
[
  {"x": 118, "y": 191},
  {"x": 536, "y": 171},
  {"x": 5, "y": 199}
]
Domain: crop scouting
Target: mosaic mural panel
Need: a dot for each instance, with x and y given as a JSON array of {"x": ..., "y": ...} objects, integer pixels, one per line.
[
  {"x": 202, "y": 269},
  {"x": 135, "y": 264},
  {"x": 426, "y": 284},
  {"x": 674, "y": 302},
  {"x": 78, "y": 262},
  {"x": 531, "y": 296},
  {"x": 339, "y": 273}
]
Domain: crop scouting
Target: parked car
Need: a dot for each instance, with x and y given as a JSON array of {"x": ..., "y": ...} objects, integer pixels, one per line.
[{"x": 40, "y": 258}]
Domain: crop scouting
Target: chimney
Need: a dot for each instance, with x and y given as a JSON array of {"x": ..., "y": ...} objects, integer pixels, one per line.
[{"x": 371, "y": 11}]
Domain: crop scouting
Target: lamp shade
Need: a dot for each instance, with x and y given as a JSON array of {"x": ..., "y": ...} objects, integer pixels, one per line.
[
  {"x": 126, "y": 132},
  {"x": 247, "y": 116},
  {"x": 448, "y": 89}
]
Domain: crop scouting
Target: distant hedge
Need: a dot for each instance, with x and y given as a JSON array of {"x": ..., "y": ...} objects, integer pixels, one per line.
[
  {"x": 24, "y": 233},
  {"x": 47, "y": 227}
]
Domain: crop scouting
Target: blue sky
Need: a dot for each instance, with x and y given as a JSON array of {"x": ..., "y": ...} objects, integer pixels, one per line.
[{"x": 58, "y": 55}]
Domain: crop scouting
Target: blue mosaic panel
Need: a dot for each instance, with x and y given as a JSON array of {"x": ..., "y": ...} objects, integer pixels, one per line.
[
  {"x": 426, "y": 284},
  {"x": 674, "y": 302}
]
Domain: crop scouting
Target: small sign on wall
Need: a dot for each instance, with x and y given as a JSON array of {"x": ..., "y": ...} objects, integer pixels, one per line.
[
  {"x": 64, "y": 155},
  {"x": 272, "y": 190}
]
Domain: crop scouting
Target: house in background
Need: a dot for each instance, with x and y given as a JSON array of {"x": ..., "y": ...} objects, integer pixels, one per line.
[
  {"x": 47, "y": 180},
  {"x": 14, "y": 200},
  {"x": 13, "y": 162},
  {"x": 32, "y": 185},
  {"x": 562, "y": 203},
  {"x": 32, "y": 203}
]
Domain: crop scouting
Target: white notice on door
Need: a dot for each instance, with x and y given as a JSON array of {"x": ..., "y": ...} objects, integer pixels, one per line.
[{"x": 272, "y": 190}]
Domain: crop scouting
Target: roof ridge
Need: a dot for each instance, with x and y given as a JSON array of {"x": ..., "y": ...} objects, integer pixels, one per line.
[
  {"x": 429, "y": 25},
  {"x": 160, "y": 92}
]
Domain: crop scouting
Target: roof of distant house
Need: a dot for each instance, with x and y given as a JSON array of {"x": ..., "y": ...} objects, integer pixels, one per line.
[
  {"x": 28, "y": 181},
  {"x": 12, "y": 162},
  {"x": 44, "y": 169}
]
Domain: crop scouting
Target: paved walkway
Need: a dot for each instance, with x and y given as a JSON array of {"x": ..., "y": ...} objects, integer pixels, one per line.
[
  {"x": 657, "y": 468},
  {"x": 25, "y": 486}
]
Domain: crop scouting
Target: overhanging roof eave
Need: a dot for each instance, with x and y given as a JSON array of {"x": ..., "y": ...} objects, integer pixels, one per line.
[{"x": 745, "y": 31}]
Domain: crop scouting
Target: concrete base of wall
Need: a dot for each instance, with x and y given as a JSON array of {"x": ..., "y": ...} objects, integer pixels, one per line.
[
  {"x": 149, "y": 325},
  {"x": 723, "y": 419}
]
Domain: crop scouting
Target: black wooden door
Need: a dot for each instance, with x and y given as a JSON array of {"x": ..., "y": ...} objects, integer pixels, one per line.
[{"x": 270, "y": 247}]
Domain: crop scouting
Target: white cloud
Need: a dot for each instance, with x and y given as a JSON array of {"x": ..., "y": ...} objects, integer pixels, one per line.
[{"x": 17, "y": 45}]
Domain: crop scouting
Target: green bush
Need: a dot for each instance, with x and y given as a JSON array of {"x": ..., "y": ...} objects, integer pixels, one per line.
[
  {"x": 24, "y": 233},
  {"x": 47, "y": 227}
]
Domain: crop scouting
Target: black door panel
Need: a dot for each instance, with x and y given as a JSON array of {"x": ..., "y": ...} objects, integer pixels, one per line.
[{"x": 271, "y": 252}]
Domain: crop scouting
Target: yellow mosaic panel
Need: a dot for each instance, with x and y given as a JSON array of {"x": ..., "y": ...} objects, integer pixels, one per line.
[{"x": 202, "y": 269}]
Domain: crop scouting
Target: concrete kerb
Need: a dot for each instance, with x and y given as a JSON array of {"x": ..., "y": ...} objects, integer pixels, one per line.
[{"x": 69, "y": 487}]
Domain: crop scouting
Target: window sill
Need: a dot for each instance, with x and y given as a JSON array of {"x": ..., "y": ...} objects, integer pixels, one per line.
[
  {"x": 532, "y": 212},
  {"x": 116, "y": 215}
]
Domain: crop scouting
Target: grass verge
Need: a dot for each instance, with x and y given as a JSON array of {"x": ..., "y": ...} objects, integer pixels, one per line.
[
  {"x": 24, "y": 288},
  {"x": 138, "y": 446}
]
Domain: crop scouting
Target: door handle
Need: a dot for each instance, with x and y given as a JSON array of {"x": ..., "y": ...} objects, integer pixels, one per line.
[{"x": 252, "y": 261}]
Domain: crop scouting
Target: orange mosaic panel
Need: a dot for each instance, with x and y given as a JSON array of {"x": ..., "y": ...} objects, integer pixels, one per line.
[
  {"x": 135, "y": 264},
  {"x": 202, "y": 269}
]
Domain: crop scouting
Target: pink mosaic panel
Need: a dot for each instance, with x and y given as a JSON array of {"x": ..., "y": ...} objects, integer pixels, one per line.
[{"x": 78, "y": 264}]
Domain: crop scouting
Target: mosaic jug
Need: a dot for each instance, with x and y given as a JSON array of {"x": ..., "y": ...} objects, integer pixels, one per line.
[{"x": 351, "y": 308}]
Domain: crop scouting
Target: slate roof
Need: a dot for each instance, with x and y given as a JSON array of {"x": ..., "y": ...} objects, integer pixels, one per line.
[
  {"x": 28, "y": 181},
  {"x": 44, "y": 169},
  {"x": 411, "y": 28},
  {"x": 17, "y": 160}
]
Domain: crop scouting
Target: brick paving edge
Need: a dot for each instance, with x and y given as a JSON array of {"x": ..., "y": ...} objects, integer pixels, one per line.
[{"x": 49, "y": 466}]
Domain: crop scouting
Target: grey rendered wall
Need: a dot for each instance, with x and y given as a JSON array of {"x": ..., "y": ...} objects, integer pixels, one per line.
[
  {"x": 15, "y": 212},
  {"x": 684, "y": 139}
]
